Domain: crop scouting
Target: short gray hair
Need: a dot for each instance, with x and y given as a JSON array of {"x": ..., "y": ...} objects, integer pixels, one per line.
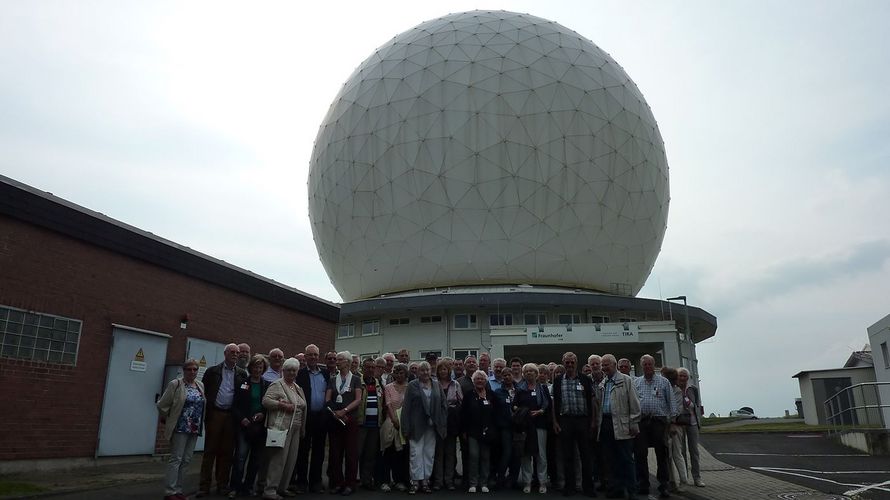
[
  {"x": 682, "y": 370},
  {"x": 291, "y": 363},
  {"x": 610, "y": 357}
]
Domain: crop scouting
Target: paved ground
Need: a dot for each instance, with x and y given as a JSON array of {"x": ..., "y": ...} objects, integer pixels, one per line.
[{"x": 809, "y": 460}]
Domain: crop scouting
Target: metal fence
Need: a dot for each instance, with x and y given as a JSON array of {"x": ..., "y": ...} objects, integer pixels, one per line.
[{"x": 858, "y": 406}]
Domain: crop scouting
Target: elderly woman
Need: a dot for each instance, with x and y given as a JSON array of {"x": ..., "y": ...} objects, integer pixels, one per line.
[
  {"x": 478, "y": 424},
  {"x": 535, "y": 399},
  {"x": 286, "y": 406},
  {"x": 423, "y": 422},
  {"x": 394, "y": 447},
  {"x": 182, "y": 409},
  {"x": 446, "y": 449},
  {"x": 690, "y": 404},
  {"x": 251, "y": 420},
  {"x": 343, "y": 397},
  {"x": 676, "y": 435}
]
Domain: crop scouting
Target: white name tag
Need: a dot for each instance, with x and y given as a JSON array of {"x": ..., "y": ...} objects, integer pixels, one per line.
[
  {"x": 509, "y": 400},
  {"x": 485, "y": 402},
  {"x": 534, "y": 393},
  {"x": 339, "y": 398},
  {"x": 244, "y": 386},
  {"x": 579, "y": 388}
]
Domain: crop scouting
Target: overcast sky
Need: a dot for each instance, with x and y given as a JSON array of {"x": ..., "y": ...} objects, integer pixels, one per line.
[{"x": 195, "y": 121}]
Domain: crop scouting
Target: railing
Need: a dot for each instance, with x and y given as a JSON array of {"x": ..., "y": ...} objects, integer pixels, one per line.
[{"x": 857, "y": 407}]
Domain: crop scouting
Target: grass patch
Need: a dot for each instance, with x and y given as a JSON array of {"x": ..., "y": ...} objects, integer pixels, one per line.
[
  {"x": 707, "y": 421},
  {"x": 781, "y": 427},
  {"x": 10, "y": 488}
]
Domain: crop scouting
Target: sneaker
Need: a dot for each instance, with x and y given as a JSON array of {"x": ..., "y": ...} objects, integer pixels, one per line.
[
  {"x": 484, "y": 489},
  {"x": 542, "y": 489},
  {"x": 699, "y": 483},
  {"x": 412, "y": 489},
  {"x": 472, "y": 489},
  {"x": 526, "y": 489},
  {"x": 385, "y": 487},
  {"x": 401, "y": 487}
]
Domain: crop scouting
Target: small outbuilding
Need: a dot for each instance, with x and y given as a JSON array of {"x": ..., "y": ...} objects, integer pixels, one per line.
[{"x": 96, "y": 315}]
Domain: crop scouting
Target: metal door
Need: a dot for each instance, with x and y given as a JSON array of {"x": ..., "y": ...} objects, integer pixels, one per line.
[
  {"x": 207, "y": 354},
  {"x": 128, "y": 424}
]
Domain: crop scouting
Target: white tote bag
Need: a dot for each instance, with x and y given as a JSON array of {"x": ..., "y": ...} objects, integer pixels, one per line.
[{"x": 275, "y": 438}]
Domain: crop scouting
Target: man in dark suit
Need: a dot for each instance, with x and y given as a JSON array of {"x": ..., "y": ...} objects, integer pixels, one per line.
[
  {"x": 313, "y": 379},
  {"x": 574, "y": 421},
  {"x": 220, "y": 382}
]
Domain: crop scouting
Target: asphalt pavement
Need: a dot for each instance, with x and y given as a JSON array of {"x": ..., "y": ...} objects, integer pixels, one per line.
[{"x": 809, "y": 459}]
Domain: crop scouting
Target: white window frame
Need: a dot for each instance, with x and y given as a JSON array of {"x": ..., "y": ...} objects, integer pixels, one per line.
[
  {"x": 538, "y": 315},
  {"x": 573, "y": 317},
  {"x": 470, "y": 352},
  {"x": 370, "y": 322},
  {"x": 502, "y": 319},
  {"x": 596, "y": 318},
  {"x": 399, "y": 321},
  {"x": 350, "y": 328},
  {"x": 472, "y": 321}
]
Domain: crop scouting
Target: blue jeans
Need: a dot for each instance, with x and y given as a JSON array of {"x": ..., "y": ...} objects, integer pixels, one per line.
[{"x": 249, "y": 453}]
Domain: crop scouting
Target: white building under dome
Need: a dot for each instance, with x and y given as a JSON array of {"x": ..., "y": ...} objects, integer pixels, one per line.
[{"x": 487, "y": 176}]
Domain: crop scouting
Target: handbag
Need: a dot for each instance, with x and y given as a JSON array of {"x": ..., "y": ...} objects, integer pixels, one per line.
[
  {"x": 275, "y": 438},
  {"x": 684, "y": 419}
]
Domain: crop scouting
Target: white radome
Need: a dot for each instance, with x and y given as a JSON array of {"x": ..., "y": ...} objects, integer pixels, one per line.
[{"x": 488, "y": 148}]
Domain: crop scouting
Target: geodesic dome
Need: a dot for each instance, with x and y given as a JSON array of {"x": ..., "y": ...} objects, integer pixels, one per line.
[{"x": 488, "y": 148}]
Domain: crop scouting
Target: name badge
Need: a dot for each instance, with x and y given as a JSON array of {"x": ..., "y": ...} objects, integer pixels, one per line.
[
  {"x": 509, "y": 400},
  {"x": 339, "y": 398},
  {"x": 244, "y": 386},
  {"x": 534, "y": 394},
  {"x": 485, "y": 402},
  {"x": 579, "y": 387}
]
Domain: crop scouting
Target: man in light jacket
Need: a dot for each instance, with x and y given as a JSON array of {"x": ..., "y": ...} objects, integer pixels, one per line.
[{"x": 618, "y": 417}]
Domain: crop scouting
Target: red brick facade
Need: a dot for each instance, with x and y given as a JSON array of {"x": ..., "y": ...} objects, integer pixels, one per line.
[{"x": 53, "y": 410}]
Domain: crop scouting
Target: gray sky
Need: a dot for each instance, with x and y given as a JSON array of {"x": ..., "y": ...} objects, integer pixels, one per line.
[{"x": 195, "y": 121}]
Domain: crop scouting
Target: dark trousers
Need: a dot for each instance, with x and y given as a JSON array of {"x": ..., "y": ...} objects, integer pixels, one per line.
[
  {"x": 618, "y": 453},
  {"x": 244, "y": 471},
  {"x": 396, "y": 465},
  {"x": 310, "y": 457},
  {"x": 508, "y": 461},
  {"x": 575, "y": 432},
  {"x": 344, "y": 448},
  {"x": 653, "y": 434},
  {"x": 219, "y": 446},
  {"x": 369, "y": 446}
]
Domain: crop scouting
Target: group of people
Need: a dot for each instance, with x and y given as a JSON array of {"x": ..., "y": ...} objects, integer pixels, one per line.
[{"x": 389, "y": 423}]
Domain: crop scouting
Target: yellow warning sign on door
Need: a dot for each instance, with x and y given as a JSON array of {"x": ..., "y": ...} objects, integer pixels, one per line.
[
  {"x": 203, "y": 361},
  {"x": 140, "y": 356}
]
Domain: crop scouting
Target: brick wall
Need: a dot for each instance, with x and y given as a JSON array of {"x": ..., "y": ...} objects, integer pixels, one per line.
[{"x": 53, "y": 410}]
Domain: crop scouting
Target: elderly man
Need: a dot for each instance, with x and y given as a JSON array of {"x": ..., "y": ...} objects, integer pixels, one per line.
[
  {"x": 594, "y": 364},
  {"x": 499, "y": 364},
  {"x": 220, "y": 382},
  {"x": 390, "y": 360},
  {"x": 656, "y": 409},
  {"x": 276, "y": 359},
  {"x": 618, "y": 417},
  {"x": 243, "y": 355},
  {"x": 330, "y": 361},
  {"x": 574, "y": 420},
  {"x": 457, "y": 368},
  {"x": 484, "y": 364},
  {"x": 313, "y": 379},
  {"x": 403, "y": 356},
  {"x": 624, "y": 366}
]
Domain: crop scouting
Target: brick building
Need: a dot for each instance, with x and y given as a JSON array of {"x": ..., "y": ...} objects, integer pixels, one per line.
[{"x": 96, "y": 316}]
